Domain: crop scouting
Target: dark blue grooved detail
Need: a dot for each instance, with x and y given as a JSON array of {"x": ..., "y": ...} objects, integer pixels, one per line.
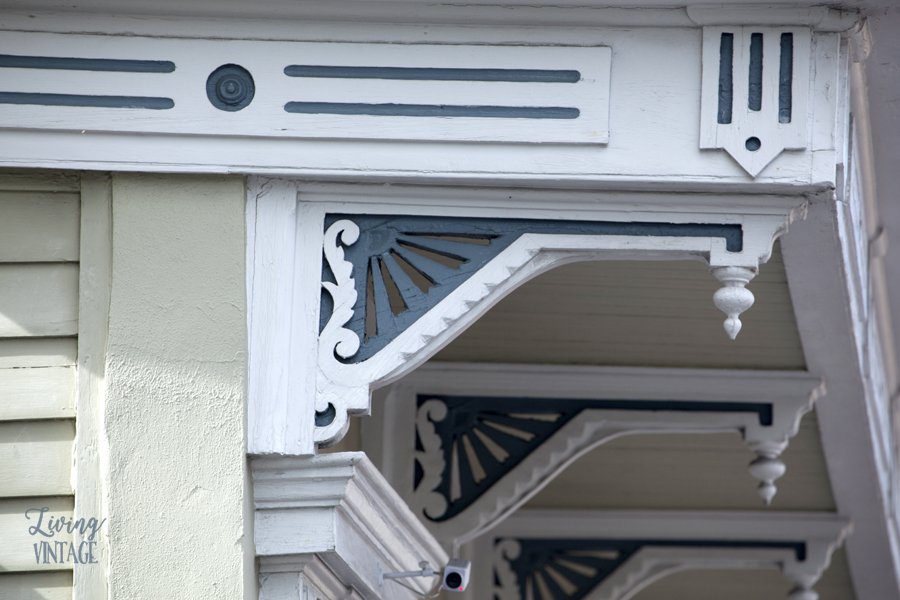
[
  {"x": 435, "y": 74},
  {"x": 786, "y": 78},
  {"x": 432, "y": 110},
  {"x": 726, "y": 81},
  {"x": 582, "y": 564},
  {"x": 86, "y": 64},
  {"x": 756, "y": 71},
  {"x": 405, "y": 265},
  {"x": 86, "y": 101},
  {"x": 518, "y": 426}
]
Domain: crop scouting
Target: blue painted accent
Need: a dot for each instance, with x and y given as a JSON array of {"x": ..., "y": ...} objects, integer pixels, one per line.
[
  {"x": 406, "y": 243},
  {"x": 326, "y": 417},
  {"x": 603, "y": 557},
  {"x": 435, "y": 74},
  {"x": 467, "y": 413},
  {"x": 86, "y": 64},
  {"x": 86, "y": 101},
  {"x": 756, "y": 70},
  {"x": 786, "y": 78},
  {"x": 230, "y": 88},
  {"x": 726, "y": 81},
  {"x": 431, "y": 110}
]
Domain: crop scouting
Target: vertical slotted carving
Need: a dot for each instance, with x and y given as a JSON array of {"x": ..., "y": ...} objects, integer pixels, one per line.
[
  {"x": 726, "y": 75},
  {"x": 785, "y": 77},
  {"x": 766, "y": 70}
]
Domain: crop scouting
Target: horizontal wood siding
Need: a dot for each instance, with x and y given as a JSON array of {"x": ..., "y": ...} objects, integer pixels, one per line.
[
  {"x": 39, "y": 227},
  {"x": 17, "y": 549},
  {"x": 42, "y": 393},
  {"x": 53, "y": 585},
  {"x": 38, "y": 299},
  {"x": 36, "y": 457},
  {"x": 635, "y": 313},
  {"x": 16, "y": 353},
  {"x": 40, "y": 219}
]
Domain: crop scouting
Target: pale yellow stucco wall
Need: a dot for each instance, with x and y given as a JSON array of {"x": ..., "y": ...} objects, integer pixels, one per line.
[{"x": 178, "y": 493}]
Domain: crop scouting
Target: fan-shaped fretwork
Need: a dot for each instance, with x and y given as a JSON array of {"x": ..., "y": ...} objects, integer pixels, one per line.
[
  {"x": 568, "y": 569},
  {"x": 404, "y": 265},
  {"x": 483, "y": 438}
]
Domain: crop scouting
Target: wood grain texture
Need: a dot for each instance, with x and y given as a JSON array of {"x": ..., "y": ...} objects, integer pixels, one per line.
[
  {"x": 47, "y": 393},
  {"x": 38, "y": 226},
  {"x": 36, "y": 458},
  {"x": 635, "y": 313},
  {"x": 53, "y": 585},
  {"x": 38, "y": 299},
  {"x": 17, "y": 550},
  {"x": 689, "y": 472},
  {"x": 37, "y": 352},
  {"x": 93, "y": 319}
]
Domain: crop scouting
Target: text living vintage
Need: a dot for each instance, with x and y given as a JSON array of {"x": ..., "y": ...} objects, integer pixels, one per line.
[{"x": 63, "y": 552}]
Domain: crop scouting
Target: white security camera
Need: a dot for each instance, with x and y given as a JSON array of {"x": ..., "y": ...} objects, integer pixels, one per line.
[{"x": 456, "y": 574}]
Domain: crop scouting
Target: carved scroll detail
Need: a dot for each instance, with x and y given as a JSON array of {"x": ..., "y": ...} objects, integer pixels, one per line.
[
  {"x": 430, "y": 458},
  {"x": 336, "y": 337}
]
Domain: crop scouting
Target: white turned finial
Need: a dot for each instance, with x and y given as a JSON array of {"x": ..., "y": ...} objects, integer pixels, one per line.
[
  {"x": 803, "y": 593},
  {"x": 733, "y": 298},
  {"x": 767, "y": 469}
]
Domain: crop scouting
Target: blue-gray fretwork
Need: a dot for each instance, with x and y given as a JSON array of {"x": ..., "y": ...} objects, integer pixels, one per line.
[{"x": 404, "y": 265}]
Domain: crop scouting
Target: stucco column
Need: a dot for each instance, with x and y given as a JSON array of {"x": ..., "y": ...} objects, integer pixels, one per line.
[{"x": 176, "y": 378}]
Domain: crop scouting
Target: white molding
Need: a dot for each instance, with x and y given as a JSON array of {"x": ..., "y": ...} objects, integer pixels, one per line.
[
  {"x": 263, "y": 139},
  {"x": 336, "y": 508},
  {"x": 791, "y": 395},
  {"x": 285, "y": 280},
  {"x": 91, "y": 444},
  {"x": 821, "y": 532}
]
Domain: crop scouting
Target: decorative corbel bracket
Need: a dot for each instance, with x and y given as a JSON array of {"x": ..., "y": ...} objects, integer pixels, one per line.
[
  {"x": 466, "y": 445},
  {"x": 387, "y": 290},
  {"x": 333, "y": 524},
  {"x": 417, "y": 282},
  {"x": 612, "y": 555}
]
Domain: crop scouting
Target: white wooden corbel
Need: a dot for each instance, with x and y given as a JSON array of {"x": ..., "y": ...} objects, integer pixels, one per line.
[
  {"x": 302, "y": 282},
  {"x": 483, "y": 481},
  {"x": 612, "y": 555},
  {"x": 332, "y": 524}
]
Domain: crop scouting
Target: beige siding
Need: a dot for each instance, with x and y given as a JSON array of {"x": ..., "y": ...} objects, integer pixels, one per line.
[
  {"x": 636, "y": 313},
  {"x": 17, "y": 549},
  {"x": 54, "y": 585},
  {"x": 42, "y": 393},
  {"x": 39, "y": 227},
  {"x": 36, "y": 457},
  {"x": 38, "y": 299},
  {"x": 39, "y": 252}
]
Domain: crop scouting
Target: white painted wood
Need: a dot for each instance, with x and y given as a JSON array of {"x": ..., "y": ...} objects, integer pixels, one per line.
[
  {"x": 346, "y": 386},
  {"x": 820, "y": 18},
  {"x": 17, "y": 549},
  {"x": 775, "y": 137},
  {"x": 339, "y": 508},
  {"x": 36, "y": 457},
  {"x": 274, "y": 407},
  {"x": 47, "y": 586},
  {"x": 91, "y": 444},
  {"x": 196, "y": 59},
  {"x": 37, "y": 352},
  {"x": 38, "y": 299},
  {"x": 648, "y": 85},
  {"x": 791, "y": 395},
  {"x": 847, "y": 424},
  {"x": 822, "y": 533},
  {"x": 38, "y": 226},
  {"x": 37, "y": 393}
]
